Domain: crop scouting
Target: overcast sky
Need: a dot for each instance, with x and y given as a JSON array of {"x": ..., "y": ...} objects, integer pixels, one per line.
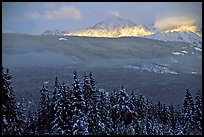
[{"x": 36, "y": 17}]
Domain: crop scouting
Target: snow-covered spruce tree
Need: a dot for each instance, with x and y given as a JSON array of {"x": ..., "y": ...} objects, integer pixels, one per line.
[
  {"x": 54, "y": 104},
  {"x": 92, "y": 81},
  {"x": 105, "y": 122},
  {"x": 172, "y": 119},
  {"x": 31, "y": 123},
  {"x": 87, "y": 92},
  {"x": 57, "y": 123},
  {"x": 88, "y": 103},
  {"x": 21, "y": 117},
  {"x": 155, "y": 128},
  {"x": 66, "y": 109},
  {"x": 128, "y": 113},
  {"x": 136, "y": 122},
  {"x": 44, "y": 123},
  {"x": 178, "y": 117},
  {"x": 165, "y": 120},
  {"x": 9, "y": 110},
  {"x": 159, "y": 112},
  {"x": 62, "y": 118},
  {"x": 61, "y": 122},
  {"x": 149, "y": 120},
  {"x": 91, "y": 96},
  {"x": 151, "y": 126},
  {"x": 54, "y": 98},
  {"x": 162, "y": 115},
  {"x": 188, "y": 122},
  {"x": 113, "y": 102},
  {"x": 79, "y": 118},
  {"x": 198, "y": 114},
  {"x": 123, "y": 112},
  {"x": 157, "y": 123},
  {"x": 141, "y": 109}
]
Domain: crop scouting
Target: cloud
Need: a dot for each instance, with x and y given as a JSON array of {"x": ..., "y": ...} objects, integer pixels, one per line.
[
  {"x": 114, "y": 13},
  {"x": 68, "y": 12},
  {"x": 169, "y": 22}
]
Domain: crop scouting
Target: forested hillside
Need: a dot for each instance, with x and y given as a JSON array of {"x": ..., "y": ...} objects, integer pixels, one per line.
[{"x": 80, "y": 108}]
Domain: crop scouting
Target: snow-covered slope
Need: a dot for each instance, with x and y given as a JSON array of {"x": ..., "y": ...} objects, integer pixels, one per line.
[
  {"x": 54, "y": 32},
  {"x": 184, "y": 36}
]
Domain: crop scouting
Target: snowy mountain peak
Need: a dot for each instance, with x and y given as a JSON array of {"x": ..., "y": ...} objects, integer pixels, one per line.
[
  {"x": 113, "y": 24},
  {"x": 114, "y": 27}
]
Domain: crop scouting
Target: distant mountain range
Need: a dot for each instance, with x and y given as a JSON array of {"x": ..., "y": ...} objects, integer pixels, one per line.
[
  {"x": 54, "y": 32},
  {"x": 118, "y": 27}
]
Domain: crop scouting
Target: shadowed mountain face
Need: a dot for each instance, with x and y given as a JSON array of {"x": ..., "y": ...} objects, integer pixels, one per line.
[{"x": 157, "y": 69}]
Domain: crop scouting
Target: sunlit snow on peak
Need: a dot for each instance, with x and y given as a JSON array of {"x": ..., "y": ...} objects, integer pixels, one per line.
[{"x": 184, "y": 28}]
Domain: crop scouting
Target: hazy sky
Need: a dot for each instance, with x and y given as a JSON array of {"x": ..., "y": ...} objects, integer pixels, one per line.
[{"x": 36, "y": 17}]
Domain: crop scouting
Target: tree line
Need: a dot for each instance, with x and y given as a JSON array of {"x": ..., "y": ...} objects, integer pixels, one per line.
[{"x": 82, "y": 109}]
